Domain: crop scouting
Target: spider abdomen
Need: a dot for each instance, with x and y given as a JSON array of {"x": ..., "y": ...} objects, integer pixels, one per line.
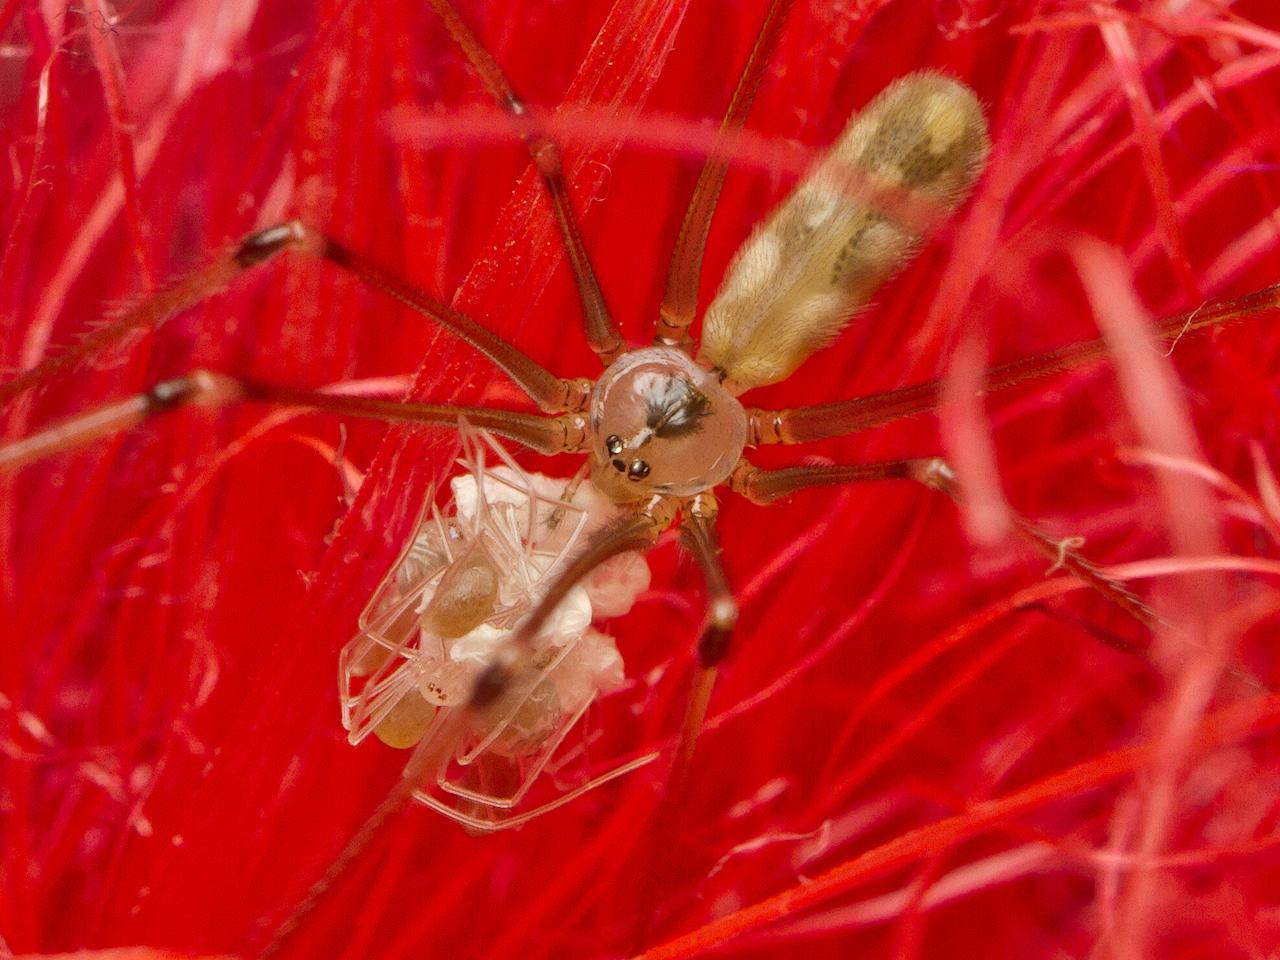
[{"x": 849, "y": 224}]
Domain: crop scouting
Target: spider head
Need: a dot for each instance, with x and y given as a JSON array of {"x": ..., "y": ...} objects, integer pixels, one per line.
[{"x": 662, "y": 424}]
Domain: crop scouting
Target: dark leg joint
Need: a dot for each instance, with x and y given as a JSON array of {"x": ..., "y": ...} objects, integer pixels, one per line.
[
  {"x": 265, "y": 244},
  {"x": 936, "y": 474},
  {"x": 713, "y": 645},
  {"x": 336, "y": 253},
  {"x": 169, "y": 394},
  {"x": 490, "y": 686},
  {"x": 199, "y": 386},
  {"x": 546, "y": 157}
]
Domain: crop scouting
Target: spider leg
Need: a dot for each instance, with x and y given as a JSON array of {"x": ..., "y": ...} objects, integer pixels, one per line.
[
  {"x": 698, "y": 536},
  {"x": 680, "y": 303},
  {"x": 551, "y": 393},
  {"x": 818, "y": 422},
  {"x": 635, "y": 531},
  {"x": 602, "y": 332},
  {"x": 270, "y": 940},
  {"x": 175, "y": 296},
  {"x": 766, "y": 486},
  {"x": 563, "y": 434}
]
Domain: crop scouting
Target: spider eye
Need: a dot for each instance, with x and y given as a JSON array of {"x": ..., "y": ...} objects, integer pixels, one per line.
[
  {"x": 638, "y": 470},
  {"x": 613, "y": 443}
]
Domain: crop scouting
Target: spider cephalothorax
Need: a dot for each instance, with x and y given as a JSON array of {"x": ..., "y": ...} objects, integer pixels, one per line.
[{"x": 662, "y": 424}]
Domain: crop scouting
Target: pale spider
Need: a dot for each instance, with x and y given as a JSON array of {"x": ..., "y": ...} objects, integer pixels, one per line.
[{"x": 696, "y": 522}]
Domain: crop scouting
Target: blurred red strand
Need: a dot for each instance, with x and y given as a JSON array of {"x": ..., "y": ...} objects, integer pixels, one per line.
[
  {"x": 910, "y": 717},
  {"x": 1224, "y": 728}
]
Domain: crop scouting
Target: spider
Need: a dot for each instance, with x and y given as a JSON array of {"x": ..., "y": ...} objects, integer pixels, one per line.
[{"x": 265, "y": 243}]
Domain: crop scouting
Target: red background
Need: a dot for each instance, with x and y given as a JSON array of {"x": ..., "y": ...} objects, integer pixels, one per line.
[{"x": 173, "y": 772}]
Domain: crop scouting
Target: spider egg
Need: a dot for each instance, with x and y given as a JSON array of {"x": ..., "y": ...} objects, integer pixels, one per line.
[
  {"x": 465, "y": 597},
  {"x": 407, "y": 721}
]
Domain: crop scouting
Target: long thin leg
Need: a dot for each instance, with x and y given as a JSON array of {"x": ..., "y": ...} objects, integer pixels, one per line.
[
  {"x": 603, "y": 335},
  {"x": 636, "y": 531},
  {"x": 563, "y": 434},
  {"x": 680, "y": 303},
  {"x": 766, "y": 486},
  {"x": 804, "y": 424},
  {"x": 551, "y": 393},
  {"x": 698, "y": 536},
  {"x": 176, "y": 296},
  {"x": 275, "y": 940}
]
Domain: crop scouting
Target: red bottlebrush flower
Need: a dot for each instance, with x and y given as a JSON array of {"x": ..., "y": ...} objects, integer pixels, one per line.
[{"x": 919, "y": 746}]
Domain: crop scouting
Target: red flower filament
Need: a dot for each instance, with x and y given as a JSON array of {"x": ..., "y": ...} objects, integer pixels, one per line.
[{"x": 921, "y": 745}]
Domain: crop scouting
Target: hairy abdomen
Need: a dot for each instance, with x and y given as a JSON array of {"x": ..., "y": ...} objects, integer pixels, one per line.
[{"x": 911, "y": 156}]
